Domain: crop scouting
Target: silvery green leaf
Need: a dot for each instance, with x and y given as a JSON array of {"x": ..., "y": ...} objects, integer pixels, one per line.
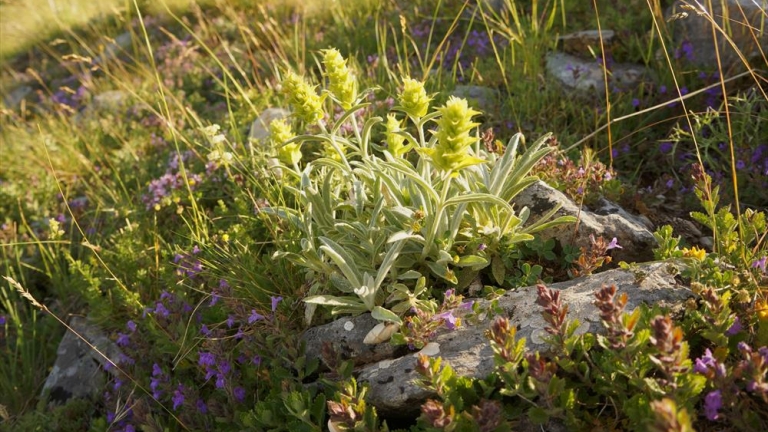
[
  {"x": 410, "y": 274},
  {"x": 443, "y": 271},
  {"x": 341, "y": 283},
  {"x": 444, "y": 257},
  {"x": 403, "y": 235},
  {"x": 329, "y": 300},
  {"x": 381, "y": 314},
  {"x": 473, "y": 261},
  {"x": 342, "y": 259},
  {"x": 389, "y": 260}
]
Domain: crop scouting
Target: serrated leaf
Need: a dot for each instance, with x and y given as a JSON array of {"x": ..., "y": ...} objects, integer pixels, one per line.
[{"x": 538, "y": 415}]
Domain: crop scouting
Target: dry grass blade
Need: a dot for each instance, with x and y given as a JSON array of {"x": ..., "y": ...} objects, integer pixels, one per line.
[{"x": 24, "y": 293}]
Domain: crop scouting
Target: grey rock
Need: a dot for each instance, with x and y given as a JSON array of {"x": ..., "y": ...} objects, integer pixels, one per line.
[
  {"x": 114, "y": 48},
  {"x": 483, "y": 98},
  {"x": 576, "y": 73},
  {"x": 391, "y": 382},
  {"x": 747, "y": 20},
  {"x": 260, "y": 127},
  {"x": 112, "y": 101},
  {"x": 79, "y": 370},
  {"x": 636, "y": 241},
  {"x": 345, "y": 337},
  {"x": 578, "y": 43},
  {"x": 14, "y": 98}
]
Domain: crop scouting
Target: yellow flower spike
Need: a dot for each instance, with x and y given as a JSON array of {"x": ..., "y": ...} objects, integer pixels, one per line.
[
  {"x": 414, "y": 100},
  {"x": 306, "y": 103},
  {"x": 761, "y": 307},
  {"x": 341, "y": 82},
  {"x": 453, "y": 139},
  {"x": 279, "y": 133},
  {"x": 394, "y": 141}
]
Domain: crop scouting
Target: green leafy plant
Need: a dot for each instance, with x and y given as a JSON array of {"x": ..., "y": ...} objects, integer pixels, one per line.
[{"x": 370, "y": 216}]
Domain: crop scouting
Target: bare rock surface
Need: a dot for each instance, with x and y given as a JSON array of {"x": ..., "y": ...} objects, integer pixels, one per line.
[
  {"x": 631, "y": 232},
  {"x": 748, "y": 23},
  {"x": 484, "y": 98},
  {"x": 79, "y": 370},
  {"x": 345, "y": 336},
  {"x": 575, "y": 73},
  {"x": 392, "y": 390},
  {"x": 579, "y": 43}
]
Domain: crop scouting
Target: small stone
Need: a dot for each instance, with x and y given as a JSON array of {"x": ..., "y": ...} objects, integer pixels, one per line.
[
  {"x": 349, "y": 326},
  {"x": 431, "y": 349},
  {"x": 260, "y": 127}
]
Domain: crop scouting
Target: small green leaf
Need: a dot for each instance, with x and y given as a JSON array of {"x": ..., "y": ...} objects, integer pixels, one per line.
[
  {"x": 498, "y": 270},
  {"x": 474, "y": 261},
  {"x": 381, "y": 314},
  {"x": 538, "y": 415}
]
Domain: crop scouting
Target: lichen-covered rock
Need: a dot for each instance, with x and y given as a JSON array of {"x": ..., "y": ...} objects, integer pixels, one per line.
[
  {"x": 346, "y": 337},
  {"x": 579, "y": 43},
  {"x": 692, "y": 32},
  {"x": 391, "y": 380},
  {"x": 632, "y": 234},
  {"x": 79, "y": 370},
  {"x": 575, "y": 73}
]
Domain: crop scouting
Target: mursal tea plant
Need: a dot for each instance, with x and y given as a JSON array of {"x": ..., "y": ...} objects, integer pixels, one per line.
[{"x": 372, "y": 219}]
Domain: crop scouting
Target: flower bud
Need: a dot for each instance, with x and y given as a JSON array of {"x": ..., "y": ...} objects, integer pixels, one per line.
[
  {"x": 306, "y": 103},
  {"x": 341, "y": 83},
  {"x": 395, "y": 142},
  {"x": 453, "y": 139},
  {"x": 414, "y": 100},
  {"x": 279, "y": 133}
]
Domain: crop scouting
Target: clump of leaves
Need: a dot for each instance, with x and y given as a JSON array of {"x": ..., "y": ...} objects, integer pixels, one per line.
[{"x": 372, "y": 216}]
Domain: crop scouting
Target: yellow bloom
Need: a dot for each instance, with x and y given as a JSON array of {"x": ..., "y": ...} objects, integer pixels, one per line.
[
  {"x": 695, "y": 253},
  {"x": 414, "y": 100},
  {"x": 395, "y": 141},
  {"x": 341, "y": 83},
  {"x": 761, "y": 307},
  {"x": 306, "y": 103},
  {"x": 279, "y": 133},
  {"x": 453, "y": 138}
]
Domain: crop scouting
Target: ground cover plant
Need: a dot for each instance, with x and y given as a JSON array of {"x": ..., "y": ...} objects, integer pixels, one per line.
[{"x": 136, "y": 190}]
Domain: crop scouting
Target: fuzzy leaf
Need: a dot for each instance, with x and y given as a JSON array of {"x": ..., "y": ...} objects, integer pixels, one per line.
[{"x": 381, "y": 314}]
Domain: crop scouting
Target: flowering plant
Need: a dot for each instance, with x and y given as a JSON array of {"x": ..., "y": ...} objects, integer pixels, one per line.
[{"x": 372, "y": 221}]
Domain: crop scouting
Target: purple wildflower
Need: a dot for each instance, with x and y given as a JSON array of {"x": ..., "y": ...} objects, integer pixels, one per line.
[
  {"x": 254, "y": 317},
  {"x": 448, "y": 319},
  {"x": 205, "y": 330},
  {"x": 221, "y": 381},
  {"x": 481, "y": 247},
  {"x": 161, "y": 310},
  {"x": 614, "y": 244},
  {"x": 744, "y": 347},
  {"x": 122, "y": 340},
  {"x": 2, "y": 319},
  {"x": 256, "y": 360},
  {"x": 670, "y": 183},
  {"x": 239, "y": 393},
  {"x": 734, "y": 328},
  {"x": 230, "y": 321},
  {"x": 131, "y": 326},
  {"x": 202, "y": 408},
  {"x": 740, "y": 165},
  {"x": 712, "y": 404},
  {"x": 214, "y": 299},
  {"x": 705, "y": 362},
  {"x": 275, "y": 301},
  {"x": 760, "y": 263},
  {"x": 178, "y": 397},
  {"x": 665, "y": 147},
  {"x": 206, "y": 359},
  {"x": 129, "y": 428},
  {"x": 635, "y": 102}
]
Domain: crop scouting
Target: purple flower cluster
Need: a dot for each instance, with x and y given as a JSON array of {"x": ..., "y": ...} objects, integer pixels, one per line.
[
  {"x": 161, "y": 190},
  {"x": 188, "y": 265}
]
